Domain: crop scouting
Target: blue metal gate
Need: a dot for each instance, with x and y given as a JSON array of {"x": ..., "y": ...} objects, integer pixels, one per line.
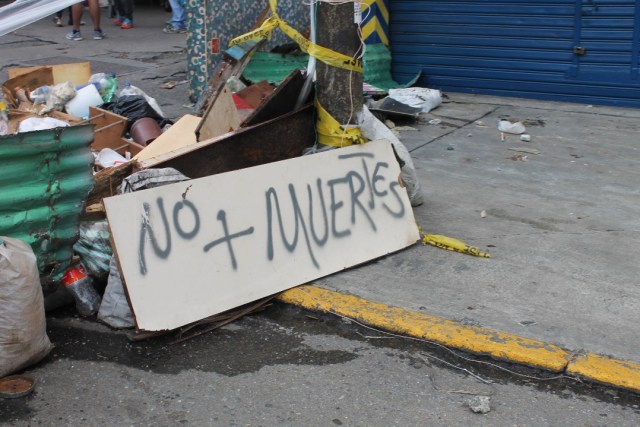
[{"x": 567, "y": 50}]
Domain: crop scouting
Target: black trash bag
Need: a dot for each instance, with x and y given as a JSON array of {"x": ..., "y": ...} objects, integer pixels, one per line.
[{"x": 134, "y": 107}]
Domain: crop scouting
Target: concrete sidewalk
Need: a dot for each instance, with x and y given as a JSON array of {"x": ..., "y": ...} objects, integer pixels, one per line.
[{"x": 562, "y": 226}]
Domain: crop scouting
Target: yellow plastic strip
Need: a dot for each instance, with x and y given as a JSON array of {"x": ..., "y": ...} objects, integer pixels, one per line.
[
  {"x": 331, "y": 133},
  {"x": 328, "y": 56},
  {"x": 451, "y": 244},
  {"x": 420, "y": 325}
]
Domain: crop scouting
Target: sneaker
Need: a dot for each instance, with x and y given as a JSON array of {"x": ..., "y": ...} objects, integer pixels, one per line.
[
  {"x": 173, "y": 30},
  {"x": 118, "y": 21},
  {"x": 127, "y": 24},
  {"x": 58, "y": 21},
  {"x": 98, "y": 35},
  {"x": 75, "y": 35}
]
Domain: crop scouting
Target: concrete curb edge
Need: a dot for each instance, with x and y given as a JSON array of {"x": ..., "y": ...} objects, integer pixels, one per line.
[{"x": 472, "y": 339}]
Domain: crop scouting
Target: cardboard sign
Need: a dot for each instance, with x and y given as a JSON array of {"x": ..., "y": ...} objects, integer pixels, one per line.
[{"x": 200, "y": 247}]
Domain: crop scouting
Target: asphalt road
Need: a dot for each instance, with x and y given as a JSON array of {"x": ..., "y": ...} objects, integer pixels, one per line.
[
  {"x": 280, "y": 367},
  {"x": 286, "y": 366}
]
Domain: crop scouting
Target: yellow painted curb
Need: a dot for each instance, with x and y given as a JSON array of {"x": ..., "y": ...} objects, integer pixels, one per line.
[
  {"x": 608, "y": 371},
  {"x": 419, "y": 325}
]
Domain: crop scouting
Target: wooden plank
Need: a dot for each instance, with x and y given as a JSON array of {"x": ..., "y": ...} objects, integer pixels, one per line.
[
  {"x": 108, "y": 130},
  {"x": 274, "y": 140},
  {"x": 256, "y": 94},
  {"x": 107, "y": 182},
  {"x": 76, "y": 73},
  {"x": 197, "y": 248},
  {"x": 220, "y": 118},
  {"x": 181, "y": 134}
]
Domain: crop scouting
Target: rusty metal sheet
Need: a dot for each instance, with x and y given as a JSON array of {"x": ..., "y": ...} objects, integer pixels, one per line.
[
  {"x": 279, "y": 139},
  {"x": 281, "y": 101}
]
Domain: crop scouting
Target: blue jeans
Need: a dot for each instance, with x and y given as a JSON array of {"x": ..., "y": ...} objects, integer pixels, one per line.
[{"x": 177, "y": 15}]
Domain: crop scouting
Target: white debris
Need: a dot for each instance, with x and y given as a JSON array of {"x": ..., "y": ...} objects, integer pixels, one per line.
[{"x": 479, "y": 404}]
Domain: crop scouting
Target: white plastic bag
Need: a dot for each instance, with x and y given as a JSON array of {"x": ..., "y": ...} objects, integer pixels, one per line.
[
  {"x": 23, "y": 328},
  {"x": 417, "y": 97},
  {"x": 372, "y": 128},
  {"x": 507, "y": 127},
  {"x": 40, "y": 123}
]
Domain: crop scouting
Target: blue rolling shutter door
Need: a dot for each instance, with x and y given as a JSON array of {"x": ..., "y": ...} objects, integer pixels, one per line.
[{"x": 567, "y": 50}]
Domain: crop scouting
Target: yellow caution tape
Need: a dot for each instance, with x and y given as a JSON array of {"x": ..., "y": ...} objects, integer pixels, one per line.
[
  {"x": 328, "y": 56},
  {"x": 451, "y": 244},
  {"x": 331, "y": 133}
]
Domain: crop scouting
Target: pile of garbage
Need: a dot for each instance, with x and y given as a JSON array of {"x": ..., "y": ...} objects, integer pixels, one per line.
[{"x": 239, "y": 123}]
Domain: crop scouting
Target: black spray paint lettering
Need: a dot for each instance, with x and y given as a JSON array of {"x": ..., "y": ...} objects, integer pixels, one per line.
[
  {"x": 371, "y": 184},
  {"x": 299, "y": 222},
  {"x": 222, "y": 217},
  {"x": 146, "y": 228}
]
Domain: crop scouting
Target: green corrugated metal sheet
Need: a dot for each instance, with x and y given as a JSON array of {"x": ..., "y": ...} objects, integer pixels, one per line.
[
  {"x": 273, "y": 67},
  {"x": 377, "y": 68},
  {"x": 45, "y": 177}
]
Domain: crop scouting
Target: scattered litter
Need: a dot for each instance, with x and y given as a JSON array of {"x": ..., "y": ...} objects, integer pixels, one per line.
[
  {"x": 85, "y": 97},
  {"x": 483, "y": 214},
  {"x": 450, "y": 148},
  {"x": 405, "y": 128},
  {"x": 168, "y": 85},
  {"x": 40, "y": 123},
  {"x": 79, "y": 284},
  {"x": 418, "y": 97},
  {"x": 451, "y": 244},
  {"x": 389, "y": 106},
  {"x": 435, "y": 121},
  {"x": 108, "y": 158},
  {"x": 373, "y": 129},
  {"x": 528, "y": 322},
  {"x": 577, "y": 156},
  {"x": 506, "y": 126},
  {"x": 526, "y": 150},
  {"x": 57, "y": 96},
  {"x": 525, "y": 137},
  {"x": 16, "y": 386},
  {"x": 519, "y": 158},
  {"x": 480, "y": 124},
  {"x": 172, "y": 83},
  {"x": 479, "y": 404},
  {"x": 469, "y": 135},
  {"x": 131, "y": 90},
  {"x": 389, "y": 124}
]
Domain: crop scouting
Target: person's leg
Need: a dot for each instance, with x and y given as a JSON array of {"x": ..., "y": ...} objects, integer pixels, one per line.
[
  {"x": 76, "y": 10},
  {"x": 119, "y": 12},
  {"x": 94, "y": 12},
  {"x": 57, "y": 19},
  {"x": 177, "y": 15},
  {"x": 128, "y": 14}
]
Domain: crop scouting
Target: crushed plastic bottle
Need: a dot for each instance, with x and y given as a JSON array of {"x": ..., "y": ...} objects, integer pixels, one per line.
[
  {"x": 107, "y": 85},
  {"x": 40, "y": 95},
  {"x": 79, "y": 284}
]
